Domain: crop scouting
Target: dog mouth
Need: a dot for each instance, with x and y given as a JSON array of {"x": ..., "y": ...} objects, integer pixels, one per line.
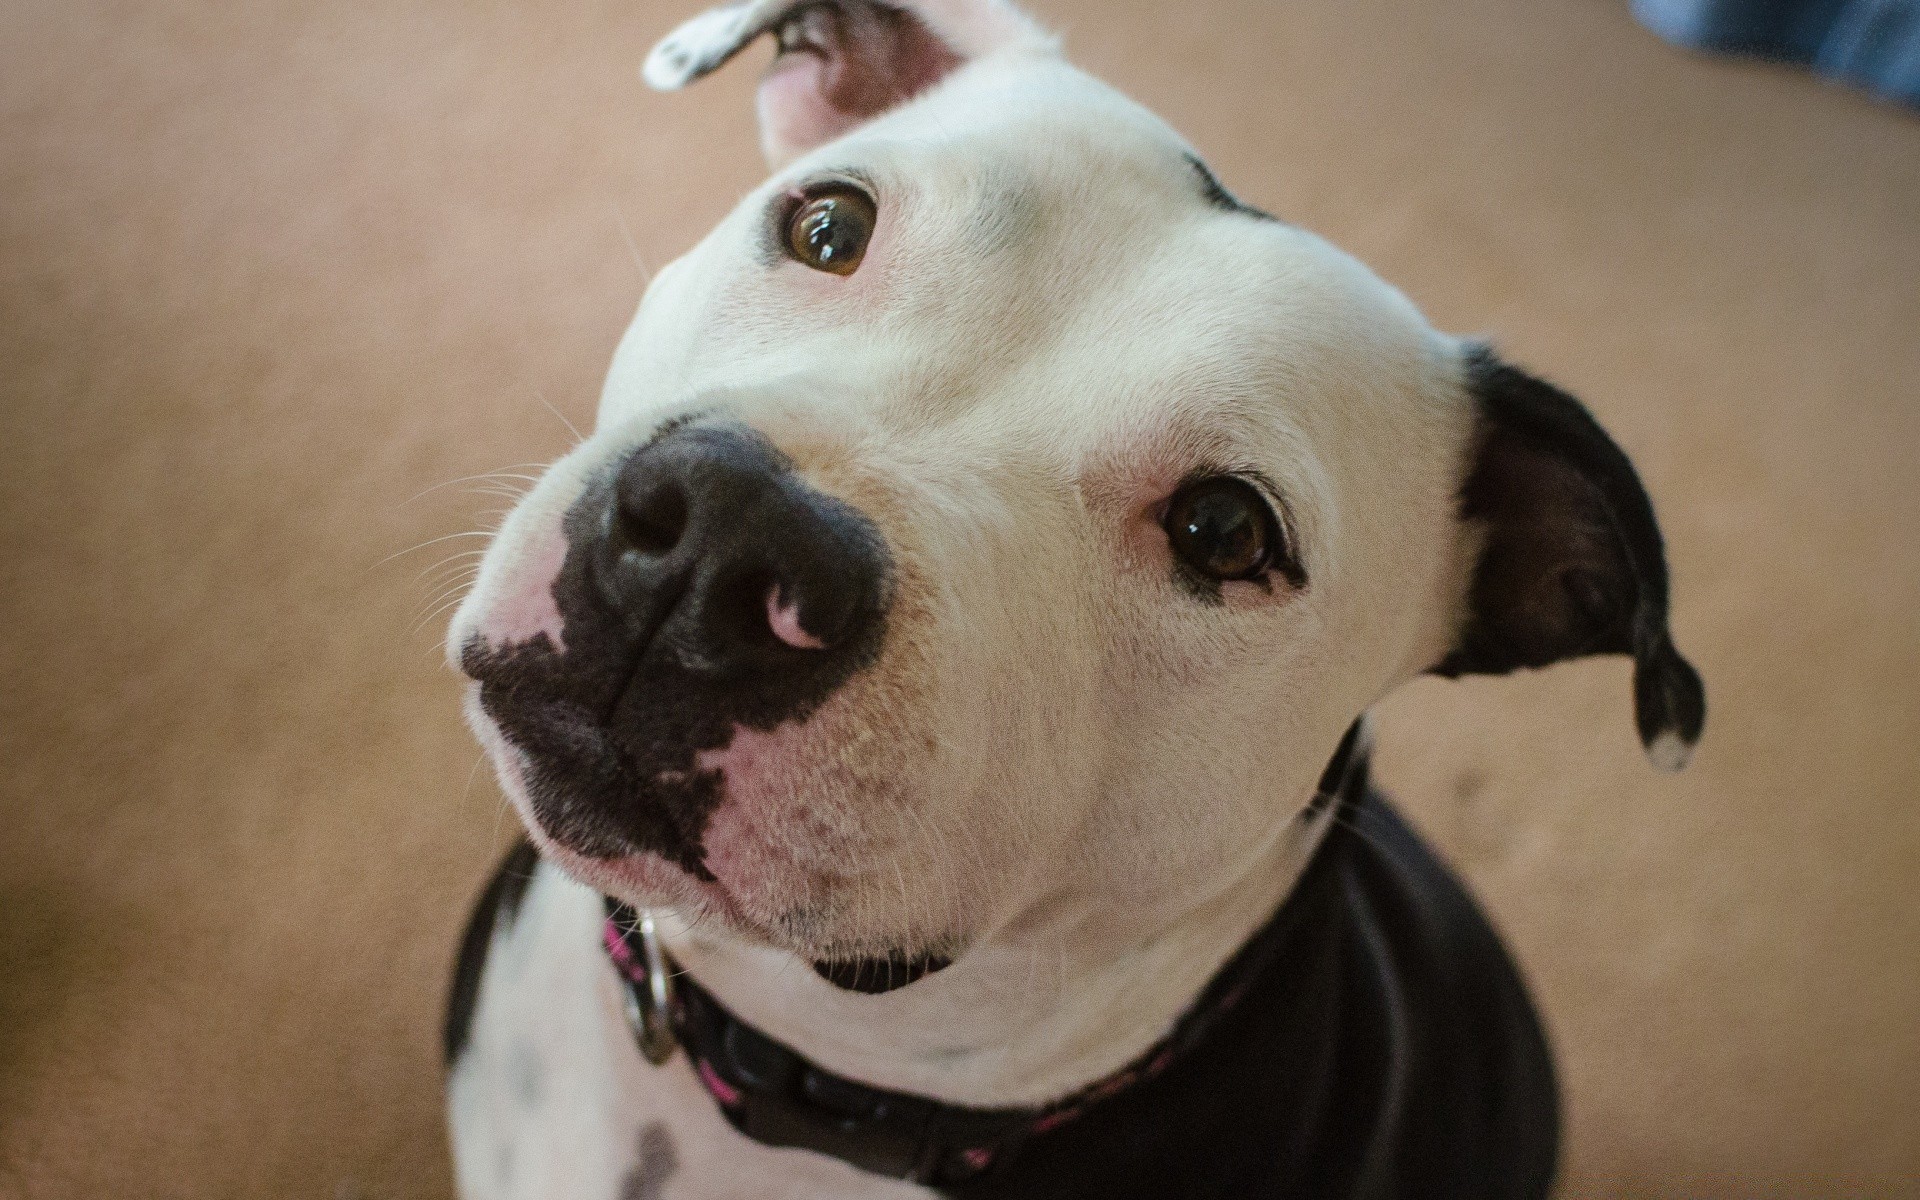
[
  {"x": 631, "y": 878},
  {"x": 557, "y": 765},
  {"x": 589, "y": 793},
  {"x": 870, "y": 975},
  {"x": 874, "y": 976}
]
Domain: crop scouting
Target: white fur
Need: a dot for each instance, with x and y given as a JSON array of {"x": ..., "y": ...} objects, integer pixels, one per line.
[
  {"x": 1669, "y": 751},
  {"x": 1062, "y": 765}
]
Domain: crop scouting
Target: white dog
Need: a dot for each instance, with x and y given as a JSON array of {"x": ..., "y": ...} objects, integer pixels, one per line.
[{"x": 935, "y": 689}]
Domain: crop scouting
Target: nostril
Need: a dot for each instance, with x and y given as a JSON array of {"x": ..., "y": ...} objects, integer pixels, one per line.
[
  {"x": 736, "y": 609},
  {"x": 783, "y": 618},
  {"x": 652, "y": 524},
  {"x": 714, "y": 558}
]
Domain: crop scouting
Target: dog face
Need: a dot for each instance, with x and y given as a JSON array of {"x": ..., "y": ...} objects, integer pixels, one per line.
[{"x": 992, "y": 515}]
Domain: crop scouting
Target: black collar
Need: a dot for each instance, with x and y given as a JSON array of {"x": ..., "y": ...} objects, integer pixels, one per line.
[{"x": 778, "y": 1098}]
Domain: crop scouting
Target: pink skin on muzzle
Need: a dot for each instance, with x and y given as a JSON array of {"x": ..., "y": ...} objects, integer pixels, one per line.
[{"x": 525, "y": 608}]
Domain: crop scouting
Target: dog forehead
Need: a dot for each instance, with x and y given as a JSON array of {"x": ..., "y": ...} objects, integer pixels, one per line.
[
  {"x": 1038, "y": 109},
  {"x": 1051, "y": 276},
  {"x": 1021, "y": 153}
]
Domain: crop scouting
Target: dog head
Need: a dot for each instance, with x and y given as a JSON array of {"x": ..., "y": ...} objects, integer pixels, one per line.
[{"x": 993, "y": 513}]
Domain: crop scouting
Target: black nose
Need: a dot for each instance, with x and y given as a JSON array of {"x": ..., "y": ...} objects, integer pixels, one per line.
[{"x": 720, "y": 560}]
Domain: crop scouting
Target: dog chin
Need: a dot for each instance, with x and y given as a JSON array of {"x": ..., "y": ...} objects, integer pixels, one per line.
[
  {"x": 642, "y": 880},
  {"x": 648, "y": 881},
  {"x": 756, "y": 892}
]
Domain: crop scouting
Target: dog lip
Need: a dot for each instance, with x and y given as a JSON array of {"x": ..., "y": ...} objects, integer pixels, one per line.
[
  {"x": 484, "y": 662},
  {"x": 584, "y": 788},
  {"x": 514, "y": 708},
  {"x": 875, "y": 976},
  {"x": 503, "y": 682},
  {"x": 645, "y": 880}
]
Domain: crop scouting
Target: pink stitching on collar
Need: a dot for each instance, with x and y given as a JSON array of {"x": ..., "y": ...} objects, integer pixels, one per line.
[{"x": 722, "y": 1091}]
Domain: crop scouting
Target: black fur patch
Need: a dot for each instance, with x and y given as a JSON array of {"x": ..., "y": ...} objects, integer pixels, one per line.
[
  {"x": 609, "y": 728},
  {"x": 1217, "y": 195},
  {"x": 496, "y": 908},
  {"x": 1573, "y": 562},
  {"x": 655, "y": 1162}
]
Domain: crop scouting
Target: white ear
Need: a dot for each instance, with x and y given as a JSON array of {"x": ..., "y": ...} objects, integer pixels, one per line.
[{"x": 840, "y": 62}]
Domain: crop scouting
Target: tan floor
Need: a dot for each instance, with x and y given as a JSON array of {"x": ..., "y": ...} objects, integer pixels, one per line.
[{"x": 268, "y": 269}]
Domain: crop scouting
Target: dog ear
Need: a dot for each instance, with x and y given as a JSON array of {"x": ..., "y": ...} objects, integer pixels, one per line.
[
  {"x": 840, "y": 62},
  {"x": 1571, "y": 561}
]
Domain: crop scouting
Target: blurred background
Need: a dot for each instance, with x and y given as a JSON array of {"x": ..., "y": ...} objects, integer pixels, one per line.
[{"x": 270, "y": 271}]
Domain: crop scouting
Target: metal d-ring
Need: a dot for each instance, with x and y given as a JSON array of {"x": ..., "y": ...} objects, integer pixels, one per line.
[{"x": 650, "y": 1008}]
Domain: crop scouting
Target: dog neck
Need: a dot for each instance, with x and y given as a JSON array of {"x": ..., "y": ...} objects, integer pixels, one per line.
[{"x": 1039, "y": 1011}]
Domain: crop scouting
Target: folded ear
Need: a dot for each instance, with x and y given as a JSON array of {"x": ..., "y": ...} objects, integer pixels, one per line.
[
  {"x": 840, "y": 62},
  {"x": 1571, "y": 562}
]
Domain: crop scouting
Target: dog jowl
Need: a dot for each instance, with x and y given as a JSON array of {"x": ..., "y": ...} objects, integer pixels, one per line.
[{"x": 953, "y": 636}]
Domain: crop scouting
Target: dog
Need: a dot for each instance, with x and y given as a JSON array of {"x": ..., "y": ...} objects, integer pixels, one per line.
[{"x": 935, "y": 692}]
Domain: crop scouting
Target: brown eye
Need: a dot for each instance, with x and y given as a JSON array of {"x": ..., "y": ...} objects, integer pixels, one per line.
[
  {"x": 1223, "y": 528},
  {"x": 830, "y": 229}
]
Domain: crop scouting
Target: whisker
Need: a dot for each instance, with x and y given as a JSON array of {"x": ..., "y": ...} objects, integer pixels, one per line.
[
  {"x": 646, "y": 276},
  {"x": 466, "y": 793},
  {"x": 446, "y": 572},
  {"x": 541, "y": 396},
  {"x": 479, "y": 533},
  {"x": 448, "y": 589},
  {"x": 442, "y": 590},
  {"x": 446, "y": 606},
  {"x": 460, "y": 556},
  {"x": 457, "y": 578},
  {"x": 498, "y": 814},
  {"x": 503, "y": 493},
  {"x": 448, "y": 599},
  {"x": 502, "y": 473}
]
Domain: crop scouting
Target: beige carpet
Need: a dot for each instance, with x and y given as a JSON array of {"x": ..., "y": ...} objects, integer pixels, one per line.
[{"x": 269, "y": 269}]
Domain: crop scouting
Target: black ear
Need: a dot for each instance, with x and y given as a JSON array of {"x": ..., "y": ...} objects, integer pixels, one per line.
[{"x": 1572, "y": 563}]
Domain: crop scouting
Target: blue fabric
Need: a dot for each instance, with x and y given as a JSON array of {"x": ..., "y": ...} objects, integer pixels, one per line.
[{"x": 1872, "y": 43}]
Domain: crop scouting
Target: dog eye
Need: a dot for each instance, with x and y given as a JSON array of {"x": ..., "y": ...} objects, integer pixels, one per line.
[
  {"x": 1223, "y": 528},
  {"x": 830, "y": 227}
]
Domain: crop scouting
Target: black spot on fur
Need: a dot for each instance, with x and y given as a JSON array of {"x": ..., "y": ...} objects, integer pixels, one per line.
[
  {"x": 1573, "y": 562},
  {"x": 497, "y": 907},
  {"x": 1217, "y": 195},
  {"x": 667, "y": 646},
  {"x": 527, "y": 1073},
  {"x": 655, "y": 1162}
]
